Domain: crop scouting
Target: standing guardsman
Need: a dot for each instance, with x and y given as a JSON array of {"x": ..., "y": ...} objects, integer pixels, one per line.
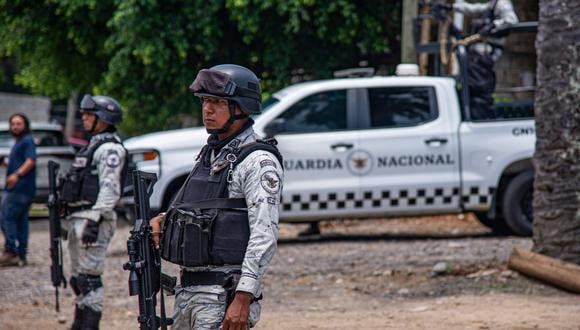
[
  {"x": 223, "y": 225},
  {"x": 19, "y": 190},
  {"x": 90, "y": 191},
  {"x": 495, "y": 15}
]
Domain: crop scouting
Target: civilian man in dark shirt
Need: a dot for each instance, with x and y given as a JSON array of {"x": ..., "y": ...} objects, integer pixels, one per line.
[{"x": 18, "y": 192}]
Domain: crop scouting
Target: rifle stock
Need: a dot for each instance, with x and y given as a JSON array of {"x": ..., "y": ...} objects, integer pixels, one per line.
[
  {"x": 56, "y": 271},
  {"x": 144, "y": 260}
]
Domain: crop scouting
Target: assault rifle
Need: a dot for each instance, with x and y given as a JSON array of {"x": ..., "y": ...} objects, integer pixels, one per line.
[
  {"x": 56, "y": 273},
  {"x": 144, "y": 260}
]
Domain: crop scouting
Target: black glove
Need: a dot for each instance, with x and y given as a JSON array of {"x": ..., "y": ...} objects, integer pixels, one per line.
[{"x": 91, "y": 232}]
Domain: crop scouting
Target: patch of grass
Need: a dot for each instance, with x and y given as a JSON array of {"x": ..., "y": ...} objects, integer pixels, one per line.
[{"x": 38, "y": 211}]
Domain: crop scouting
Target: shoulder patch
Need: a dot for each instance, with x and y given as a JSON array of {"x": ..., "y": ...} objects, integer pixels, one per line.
[
  {"x": 113, "y": 159},
  {"x": 270, "y": 181},
  {"x": 267, "y": 162}
]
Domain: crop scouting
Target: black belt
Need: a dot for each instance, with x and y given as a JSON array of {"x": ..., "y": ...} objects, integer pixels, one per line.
[
  {"x": 78, "y": 208},
  {"x": 205, "y": 278}
]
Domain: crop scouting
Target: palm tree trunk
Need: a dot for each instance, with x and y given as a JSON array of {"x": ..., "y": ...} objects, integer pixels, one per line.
[{"x": 557, "y": 106}]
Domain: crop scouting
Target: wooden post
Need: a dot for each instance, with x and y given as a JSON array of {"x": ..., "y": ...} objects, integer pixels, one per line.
[{"x": 552, "y": 271}]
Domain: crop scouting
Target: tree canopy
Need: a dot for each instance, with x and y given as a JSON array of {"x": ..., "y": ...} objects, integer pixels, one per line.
[{"x": 146, "y": 52}]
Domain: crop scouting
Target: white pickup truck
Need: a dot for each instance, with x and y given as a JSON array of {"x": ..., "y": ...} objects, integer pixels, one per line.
[{"x": 376, "y": 147}]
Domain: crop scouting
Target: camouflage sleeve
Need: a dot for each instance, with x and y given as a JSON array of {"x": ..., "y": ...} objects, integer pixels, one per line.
[
  {"x": 505, "y": 13},
  {"x": 471, "y": 9},
  {"x": 260, "y": 178},
  {"x": 110, "y": 160}
]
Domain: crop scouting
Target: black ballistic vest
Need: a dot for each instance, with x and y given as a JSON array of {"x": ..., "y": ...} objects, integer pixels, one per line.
[
  {"x": 203, "y": 226},
  {"x": 81, "y": 183}
]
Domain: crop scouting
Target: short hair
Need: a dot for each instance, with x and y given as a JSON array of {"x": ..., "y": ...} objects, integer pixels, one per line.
[{"x": 26, "y": 121}]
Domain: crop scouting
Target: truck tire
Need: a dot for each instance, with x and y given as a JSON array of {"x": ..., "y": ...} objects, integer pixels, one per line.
[
  {"x": 517, "y": 203},
  {"x": 497, "y": 225}
]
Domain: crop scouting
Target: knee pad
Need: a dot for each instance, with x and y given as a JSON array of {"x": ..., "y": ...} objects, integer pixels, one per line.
[{"x": 87, "y": 283}]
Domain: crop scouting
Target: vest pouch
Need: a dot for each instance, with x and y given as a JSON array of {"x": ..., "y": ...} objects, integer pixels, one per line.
[
  {"x": 176, "y": 241},
  {"x": 195, "y": 245},
  {"x": 186, "y": 238},
  {"x": 166, "y": 238},
  {"x": 197, "y": 237},
  {"x": 172, "y": 239},
  {"x": 90, "y": 188},
  {"x": 231, "y": 233},
  {"x": 69, "y": 191}
]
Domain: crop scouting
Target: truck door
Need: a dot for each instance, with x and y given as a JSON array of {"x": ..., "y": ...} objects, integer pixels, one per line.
[
  {"x": 408, "y": 159},
  {"x": 316, "y": 138}
]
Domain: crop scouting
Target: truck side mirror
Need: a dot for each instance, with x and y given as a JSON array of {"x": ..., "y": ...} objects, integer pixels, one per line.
[{"x": 274, "y": 127}]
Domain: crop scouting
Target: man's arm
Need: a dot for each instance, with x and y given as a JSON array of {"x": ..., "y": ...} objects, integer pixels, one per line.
[
  {"x": 110, "y": 158},
  {"x": 26, "y": 167},
  {"x": 505, "y": 14},
  {"x": 471, "y": 9},
  {"x": 261, "y": 178},
  {"x": 262, "y": 189}
]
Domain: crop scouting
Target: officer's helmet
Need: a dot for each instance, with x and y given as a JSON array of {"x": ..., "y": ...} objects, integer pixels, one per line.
[
  {"x": 232, "y": 82},
  {"x": 105, "y": 108}
]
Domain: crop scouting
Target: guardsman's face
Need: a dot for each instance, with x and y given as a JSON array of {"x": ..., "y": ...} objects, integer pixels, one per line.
[
  {"x": 215, "y": 112},
  {"x": 88, "y": 120}
]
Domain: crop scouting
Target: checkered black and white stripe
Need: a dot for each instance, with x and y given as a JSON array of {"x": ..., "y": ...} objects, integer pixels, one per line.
[
  {"x": 477, "y": 197},
  {"x": 396, "y": 199}
]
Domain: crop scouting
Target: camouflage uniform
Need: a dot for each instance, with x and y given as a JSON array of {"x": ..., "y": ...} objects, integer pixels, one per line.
[
  {"x": 90, "y": 259},
  {"x": 204, "y": 306}
]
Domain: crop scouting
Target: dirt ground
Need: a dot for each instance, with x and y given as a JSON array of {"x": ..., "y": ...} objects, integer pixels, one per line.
[{"x": 369, "y": 274}]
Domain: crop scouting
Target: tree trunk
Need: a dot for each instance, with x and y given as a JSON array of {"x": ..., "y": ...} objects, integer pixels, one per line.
[
  {"x": 71, "y": 112},
  {"x": 557, "y": 107}
]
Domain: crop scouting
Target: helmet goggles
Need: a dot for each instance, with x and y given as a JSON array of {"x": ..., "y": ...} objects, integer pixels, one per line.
[
  {"x": 89, "y": 105},
  {"x": 215, "y": 83}
]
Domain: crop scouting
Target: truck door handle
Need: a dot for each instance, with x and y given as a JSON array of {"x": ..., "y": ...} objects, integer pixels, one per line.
[
  {"x": 341, "y": 147},
  {"x": 435, "y": 142}
]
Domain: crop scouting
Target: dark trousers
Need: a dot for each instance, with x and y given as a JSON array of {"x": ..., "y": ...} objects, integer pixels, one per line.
[
  {"x": 14, "y": 222},
  {"x": 481, "y": 85}
]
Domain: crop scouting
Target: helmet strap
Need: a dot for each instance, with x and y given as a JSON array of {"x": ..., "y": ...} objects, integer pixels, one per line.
[{"x": 92, "y": 130}]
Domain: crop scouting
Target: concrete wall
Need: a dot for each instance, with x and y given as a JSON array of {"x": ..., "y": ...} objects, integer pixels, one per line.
[{"x": 36, "y": 108}]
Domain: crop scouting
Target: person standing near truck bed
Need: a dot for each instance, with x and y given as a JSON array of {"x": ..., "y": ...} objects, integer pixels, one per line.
[{"x": 494, "y": 16}]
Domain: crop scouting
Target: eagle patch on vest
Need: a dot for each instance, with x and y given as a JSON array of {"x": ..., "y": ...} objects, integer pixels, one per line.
[{"x": 270, "y": 182}]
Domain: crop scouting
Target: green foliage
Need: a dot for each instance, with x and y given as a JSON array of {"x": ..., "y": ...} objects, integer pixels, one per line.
[{"x": 146, "y": 52}]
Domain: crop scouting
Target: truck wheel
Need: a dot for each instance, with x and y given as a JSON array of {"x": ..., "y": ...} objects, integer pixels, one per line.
[
  {"x": 497, "y": 225},
  {"x": 517, "y": 204}
]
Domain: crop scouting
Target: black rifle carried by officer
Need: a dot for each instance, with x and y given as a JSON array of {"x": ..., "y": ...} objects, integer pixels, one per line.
[
  {"x": 54, "y": 212},
  {"x": 145, "y": 278}
]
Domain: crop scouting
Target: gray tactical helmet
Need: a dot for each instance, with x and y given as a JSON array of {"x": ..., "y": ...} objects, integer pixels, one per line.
[
  {"x": 231, "y": 82},
  {"x": 104, "y": 107}
]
